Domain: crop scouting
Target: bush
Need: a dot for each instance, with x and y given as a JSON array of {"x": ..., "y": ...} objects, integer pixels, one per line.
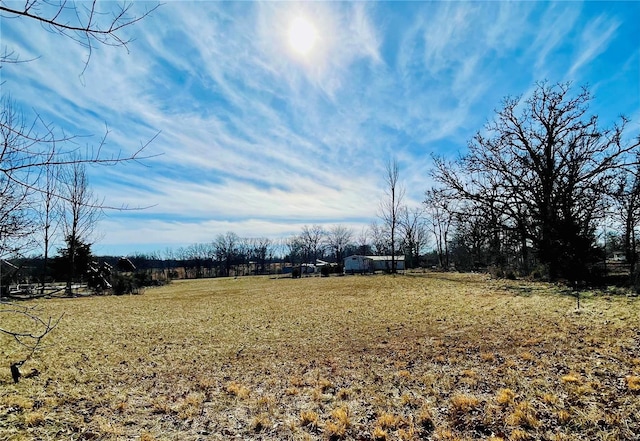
[
  {"x": 498, "y": 272},
  {"x": 123, "y": 284},
  {"x": 132, "y": 283},
  {"x": 324, "y": 271},
  {"x": 143, "y": 279}
]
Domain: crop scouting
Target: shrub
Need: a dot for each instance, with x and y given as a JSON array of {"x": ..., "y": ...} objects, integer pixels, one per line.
[
  {"x": 127, "y": 283},
  {"x": 123, "y": 284}
]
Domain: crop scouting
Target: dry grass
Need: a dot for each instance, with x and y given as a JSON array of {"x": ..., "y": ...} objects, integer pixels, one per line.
[{"x": 441, "y": 356}]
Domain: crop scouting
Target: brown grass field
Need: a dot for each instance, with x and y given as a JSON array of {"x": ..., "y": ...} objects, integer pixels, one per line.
[{"x": 435, "y": 357}]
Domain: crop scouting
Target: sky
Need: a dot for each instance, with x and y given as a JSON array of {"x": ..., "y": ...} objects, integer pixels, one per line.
[{"x": 269, "y": 116}]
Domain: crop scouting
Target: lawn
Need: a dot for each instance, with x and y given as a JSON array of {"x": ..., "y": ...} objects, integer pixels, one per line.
[{"x": 435, "y": 356}]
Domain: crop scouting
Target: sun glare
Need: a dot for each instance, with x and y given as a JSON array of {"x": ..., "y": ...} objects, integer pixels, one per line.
[{"x": 302, "y": 35}]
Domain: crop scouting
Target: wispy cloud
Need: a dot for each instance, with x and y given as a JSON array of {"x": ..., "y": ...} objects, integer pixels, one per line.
[
  {"x": 557, "y": 25},
  {"x": 595, "y": 38}
]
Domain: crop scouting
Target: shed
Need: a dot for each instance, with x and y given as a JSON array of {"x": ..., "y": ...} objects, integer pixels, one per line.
[
  {"x": 358, "y": 264},
  {"x": 383, "y": 263}
]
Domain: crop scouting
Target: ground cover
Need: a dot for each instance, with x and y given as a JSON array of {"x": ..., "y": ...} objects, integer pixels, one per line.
[{"x": 435, "y": 356}]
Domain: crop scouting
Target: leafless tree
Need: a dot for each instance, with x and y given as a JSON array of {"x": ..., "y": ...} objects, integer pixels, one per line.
[
  {"x": 337, "y": 238},
  {"x": 49, "y": 214},
  {"x": 390, "y": 206},
  {"x": 545, "y": 166},
  {"x": 226, "y": 249},
  {"x": 363, "y": 241},
  {"x": 198, "y": 257},
  {"x": 626, "y": 198},
  {"x": 311, "y": 239},
  {"x": 80, "y": 212},
  {"x": 28, "y": 149},
  {"x": 245, "y": 253},
  {"x": 16, "y": 222},
  {"x": 440, "y": 211},
  {"x": 293, "y": 246},
  {"x": 379, "y": 238},
  {"x": 261, "y": 252},
  {"x": 414, "y": 233}
]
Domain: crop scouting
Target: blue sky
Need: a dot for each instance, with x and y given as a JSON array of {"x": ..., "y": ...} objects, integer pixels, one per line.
[{"x": 260, "y": 139}]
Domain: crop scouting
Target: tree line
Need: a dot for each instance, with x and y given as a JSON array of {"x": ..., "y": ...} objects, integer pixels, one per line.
[{"x": 230, "y": 254}]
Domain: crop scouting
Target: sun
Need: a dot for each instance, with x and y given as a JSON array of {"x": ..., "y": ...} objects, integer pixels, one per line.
[{"x": 302, "y": 35}]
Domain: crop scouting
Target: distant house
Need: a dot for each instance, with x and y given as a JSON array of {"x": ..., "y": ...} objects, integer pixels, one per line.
[
  {"x": 369, "y": 264},
  {"x": 383, "y": 263},
  {"x": 358, "y": 265}
]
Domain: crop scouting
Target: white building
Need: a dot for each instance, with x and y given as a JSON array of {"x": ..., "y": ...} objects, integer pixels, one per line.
[
  {"x": 358, "y": 264},
  {"x": 369, "y": 264}
]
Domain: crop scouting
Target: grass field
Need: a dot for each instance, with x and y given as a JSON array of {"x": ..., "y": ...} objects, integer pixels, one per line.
[{"x": 439, "y": 356}]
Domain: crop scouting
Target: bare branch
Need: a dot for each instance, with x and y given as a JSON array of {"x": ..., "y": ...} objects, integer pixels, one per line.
[{"x": 39, "y": 327}]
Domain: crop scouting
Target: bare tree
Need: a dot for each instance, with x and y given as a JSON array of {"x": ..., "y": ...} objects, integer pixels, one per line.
[
  {"x": 16, "y": 203},
  {"x": 49, "y": 214},
  {"x": 245, "y": 253},
  {"x": 379, "y": 238},
  {"x": 626, "y": 199},
  {"x": 169, "y": 259},
  {"x": 545, "y": 166},
  {"x": 226, "y": 249},
  {"x": 414, "y": 232},
  {"x": 441, "y": 214},
  {"x": 390, "y": 207},
  {"x": 311, "y": 239},
  {"x": 363, "y": 241},
  {"x": 80, "y": 213},
  {"x": 35, "y": 146},
  {"x": 261, "y": 252},
  {"x": 338, "y": 237},
  {"x": 295, "y": 249},
  {"x": 198, "y": 257}
]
